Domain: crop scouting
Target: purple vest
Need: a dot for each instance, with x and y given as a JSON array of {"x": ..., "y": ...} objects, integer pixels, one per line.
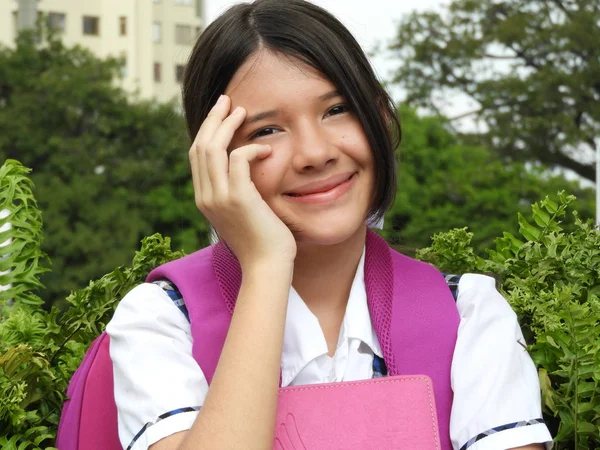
[{"x": 412, "y": 310}]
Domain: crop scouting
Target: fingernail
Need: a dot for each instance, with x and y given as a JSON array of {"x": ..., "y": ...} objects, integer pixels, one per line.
[
  {"x": 221, "y": 100},
  {"x": 237, "y": 110}
]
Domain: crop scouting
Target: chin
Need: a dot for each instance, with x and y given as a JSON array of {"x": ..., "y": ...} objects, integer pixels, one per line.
[{"x": 328, "y": 234}]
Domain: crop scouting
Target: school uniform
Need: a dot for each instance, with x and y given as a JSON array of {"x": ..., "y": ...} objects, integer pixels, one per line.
[{"x": 159, "y": 387}]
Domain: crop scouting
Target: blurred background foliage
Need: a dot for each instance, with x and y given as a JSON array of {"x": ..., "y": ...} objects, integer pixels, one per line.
[
  {"x": 108, "y": 169},
  {"x": 531, "y": 68},
  {"x": 444, "y": 183}
]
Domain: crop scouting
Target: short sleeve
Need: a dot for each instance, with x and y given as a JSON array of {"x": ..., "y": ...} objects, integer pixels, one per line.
[
  {"x": 497, "y": 400},
  {"x": 159, "y": 387}
]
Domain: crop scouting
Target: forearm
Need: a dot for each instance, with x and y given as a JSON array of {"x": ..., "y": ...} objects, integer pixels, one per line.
[{"x": 239, "y": 411}]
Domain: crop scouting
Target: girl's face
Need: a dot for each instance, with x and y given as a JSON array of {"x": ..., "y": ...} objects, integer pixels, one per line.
[{"x": 319, "y": 179}]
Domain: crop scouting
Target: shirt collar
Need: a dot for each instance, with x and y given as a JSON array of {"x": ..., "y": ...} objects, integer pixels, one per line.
[
  {"x": 303, "y": 339},
  {"x": 357, "y": 319}
]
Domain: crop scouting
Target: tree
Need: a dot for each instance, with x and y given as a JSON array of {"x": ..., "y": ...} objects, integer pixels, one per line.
[
  {"x": 531, "y": 66},
  {"x": 108, "y": 170},
  {"x": 445, "y": 184}
]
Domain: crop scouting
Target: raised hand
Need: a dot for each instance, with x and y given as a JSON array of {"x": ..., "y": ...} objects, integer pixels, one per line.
[{"x": 226, "y": 195}]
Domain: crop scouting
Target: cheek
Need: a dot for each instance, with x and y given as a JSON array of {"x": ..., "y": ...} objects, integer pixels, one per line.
[
  {"x": 356, "y": 144},
  {"x": 360, "y": 152},
  {"x": 359, "y": 149},
  {"x": 267, "y": 176}
]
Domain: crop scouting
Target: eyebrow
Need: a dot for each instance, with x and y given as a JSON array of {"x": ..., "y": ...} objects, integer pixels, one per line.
[
  {"x": 261, "y": 116},
  {"x": 330, "y": 95},
  {"x": 275, "y": 112}
]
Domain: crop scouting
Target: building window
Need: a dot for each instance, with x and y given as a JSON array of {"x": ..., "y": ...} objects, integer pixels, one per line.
[
  {"x": 91, "y": 25},
  {"x": 183, "y": 34},
  {"x": 57, "y": 21},
  {"x": 183, "y": 2},
  {"x": 155, "y": 1},
  {"x": 122, "y": 26},
  {"x": 179, "y": 69},
  {"x": 157, "y": 72},
  {"x": 156, "y": 32},
  {"x": 27, "y": 20}
]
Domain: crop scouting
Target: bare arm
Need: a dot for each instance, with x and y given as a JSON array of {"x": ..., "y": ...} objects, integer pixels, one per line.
[{"x": 239, "y": 411}]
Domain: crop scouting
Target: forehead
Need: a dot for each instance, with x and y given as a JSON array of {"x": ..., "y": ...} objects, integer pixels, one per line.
[{"x": 274, "y": 77}]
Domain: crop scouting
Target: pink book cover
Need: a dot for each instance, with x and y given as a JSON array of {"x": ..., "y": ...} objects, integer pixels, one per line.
[{"x": 396, "y": 412}]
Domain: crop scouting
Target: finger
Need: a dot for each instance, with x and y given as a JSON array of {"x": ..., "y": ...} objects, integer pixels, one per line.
[
  {"x": 224, "y": 133},
  {"x": 193, "y": 157},
  {"x": 216, "y": 152},
  {"x": 239, "y": 165},
  {"x": 202, "y": 186},
  {"x": 215, "y": 117}
]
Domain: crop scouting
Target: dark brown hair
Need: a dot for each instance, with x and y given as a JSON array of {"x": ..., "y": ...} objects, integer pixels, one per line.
[{"x": 307, "y": 32}]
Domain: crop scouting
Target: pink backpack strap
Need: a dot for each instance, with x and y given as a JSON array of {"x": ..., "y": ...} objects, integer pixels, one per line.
[
  {"x": 209, "y": 281},
  {"x": 416, "y": 320},
  {"x": 88, "y": 420}
]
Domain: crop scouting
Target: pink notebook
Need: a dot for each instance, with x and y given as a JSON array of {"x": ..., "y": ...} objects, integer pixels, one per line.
[{"x": 382, "y": 413}]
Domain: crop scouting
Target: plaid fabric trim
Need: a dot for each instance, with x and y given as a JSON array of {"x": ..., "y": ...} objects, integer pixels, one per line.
[
  {"x": 162, "y": 417},
  {"x": 379, "y": 367},
  {"x": 174, "y": 295},
  {"x": 452, "y": 282},
  {"x": 508, "y": 426}
]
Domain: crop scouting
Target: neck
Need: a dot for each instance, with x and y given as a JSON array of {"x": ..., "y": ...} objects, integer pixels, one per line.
[{"x": 323, "y": 275}]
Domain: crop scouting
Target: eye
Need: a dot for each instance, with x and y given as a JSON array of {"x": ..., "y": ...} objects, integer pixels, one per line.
[
  {"x": 263, "y": 132},
  {"x": 338, "y": 109}
]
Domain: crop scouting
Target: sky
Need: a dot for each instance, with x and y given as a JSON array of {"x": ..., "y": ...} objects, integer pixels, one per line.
[{"x": 371, "y": 21}]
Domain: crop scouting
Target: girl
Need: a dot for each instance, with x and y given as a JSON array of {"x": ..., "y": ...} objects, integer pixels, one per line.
[{"x": 292, "y": 158}]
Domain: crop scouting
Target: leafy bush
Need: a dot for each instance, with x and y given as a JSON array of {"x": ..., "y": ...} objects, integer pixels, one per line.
[
  {"x": 550, "y": 277},
  {"x": 40, "y": 350}
]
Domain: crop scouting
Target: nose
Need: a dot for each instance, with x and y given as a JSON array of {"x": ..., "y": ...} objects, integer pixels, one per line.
[{"x": 313, "y": 148}]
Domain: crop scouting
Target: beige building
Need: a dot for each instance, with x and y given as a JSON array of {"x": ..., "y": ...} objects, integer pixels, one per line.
[{"x": 154, "y": 37}]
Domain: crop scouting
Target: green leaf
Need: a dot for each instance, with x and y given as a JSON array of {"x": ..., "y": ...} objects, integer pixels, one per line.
[
  {"x": 546, "y": 387},
  {"x": 551, "y": 341},
  {"x": 587, "y": 428},
  {"x": 551, "y": 206},
  {"x": 540, "y": 217},
  {"x": 527, "y": 230}
]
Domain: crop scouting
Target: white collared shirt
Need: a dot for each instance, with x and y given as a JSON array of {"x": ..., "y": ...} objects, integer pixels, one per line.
[{"x": 159, "y": 387}]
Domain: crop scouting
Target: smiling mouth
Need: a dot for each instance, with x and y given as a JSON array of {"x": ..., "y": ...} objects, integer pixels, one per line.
[{"x": 321, "y": 191}]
